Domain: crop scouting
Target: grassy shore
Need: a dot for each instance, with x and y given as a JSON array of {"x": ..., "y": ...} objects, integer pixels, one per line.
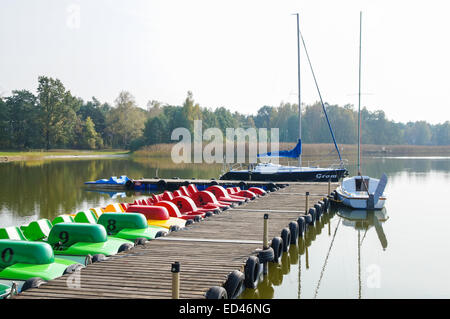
[
  {"x": 347, "y": 150},
  {"x": 8, "y": 156}
]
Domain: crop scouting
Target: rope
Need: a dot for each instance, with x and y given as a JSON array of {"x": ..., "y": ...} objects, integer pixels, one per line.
[
  {"x": 320, "y": 96},
  {"x": 359, "y": 266},
  {"x": 326, "y": 259}
]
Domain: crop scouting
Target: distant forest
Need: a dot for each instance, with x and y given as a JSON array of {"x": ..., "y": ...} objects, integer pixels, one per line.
[{"x": 54, "y": 118}]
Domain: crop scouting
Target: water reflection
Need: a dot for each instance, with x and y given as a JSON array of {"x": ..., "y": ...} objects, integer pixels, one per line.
[
  {"x": 363, "y": 220},
  {"x": 111, "y": 194},
  {"x": 46, "y": 188},
  {"x": 360, "y": 220}
]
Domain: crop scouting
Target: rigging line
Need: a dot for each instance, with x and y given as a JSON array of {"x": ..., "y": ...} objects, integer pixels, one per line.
[
  {"x": 326, "y": 259},
  {"x": 364, "y": 236},
  {"x": 299, "y": 276},
  {"x": 320, "y": 96},
  {"x": 359, "y": 96},
  {"x": 359, "y": 266}
]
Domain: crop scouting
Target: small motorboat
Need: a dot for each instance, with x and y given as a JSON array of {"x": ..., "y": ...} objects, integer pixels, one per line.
[
  {"x": 114, "y": 182},
  {"x": 362, "y": 192}
]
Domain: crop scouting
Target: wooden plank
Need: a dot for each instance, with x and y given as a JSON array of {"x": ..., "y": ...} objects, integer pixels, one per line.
[{"x": 208, "y": 251}]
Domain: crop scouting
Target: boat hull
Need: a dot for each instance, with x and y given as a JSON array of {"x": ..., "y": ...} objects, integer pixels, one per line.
[
  {"x": 359, "y": 203},
  {"x": 322, "y": 175}
]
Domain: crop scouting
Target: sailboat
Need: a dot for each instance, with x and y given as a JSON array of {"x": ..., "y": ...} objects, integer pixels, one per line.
[
  {"x": 276, "y": 172},
  {"x": 362, "y": 192}
]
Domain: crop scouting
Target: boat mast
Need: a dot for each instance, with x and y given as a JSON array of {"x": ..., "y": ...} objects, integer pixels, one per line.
[
  {"x": 359, "y": 97},
  {"x": 299, "y": 97}
]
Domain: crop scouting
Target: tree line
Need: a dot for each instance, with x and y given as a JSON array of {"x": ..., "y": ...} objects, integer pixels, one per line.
[{"x": 55, "y": 118}]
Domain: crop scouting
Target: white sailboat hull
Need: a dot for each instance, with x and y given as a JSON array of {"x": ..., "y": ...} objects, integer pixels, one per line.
[
  {"x": 360, "y": 203},
  {"x": 352, "y": 197}
]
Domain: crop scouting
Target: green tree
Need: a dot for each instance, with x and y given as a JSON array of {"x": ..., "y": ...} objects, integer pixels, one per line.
[
  {"x": 23, "y": 120},
  {"x": 418, "y": 133},
  {"x": 224, "y": 119},
  {"x": 154, "y": 108},
  {"x": 97, "y": 112},
  {"x": 264, "y": 116},
  {"x": 156, "y": 130},
  {"x": 126, "y": 121},
  {"x": 57, "y": 116},
  {"x": 90, "y": 136},
  {"x": 191, "y": 112},
  {"x": 4, "y": 125}
]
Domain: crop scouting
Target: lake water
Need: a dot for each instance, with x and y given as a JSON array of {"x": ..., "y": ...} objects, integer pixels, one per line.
[{"x": 402, "y": 252}]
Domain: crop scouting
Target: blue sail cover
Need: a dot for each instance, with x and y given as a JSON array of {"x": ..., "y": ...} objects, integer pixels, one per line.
[{"x": 294, "y": 153}]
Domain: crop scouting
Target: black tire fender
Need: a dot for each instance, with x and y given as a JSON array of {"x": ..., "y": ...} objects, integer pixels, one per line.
[
  {"x": 98, "y": 258},
  {"x": 197, "y": 219},
  {"x": 162, "y": 185},
  {"x": 266, "y": 255},
  {"x": 125, "y": 247},
  {"x": 72, "y": 268},
  {"x": 242, "y": 185},
  {"x": 301, "y": 225},
  {"x": 160, "y": 234},
  {"x": 129, "y": 184},
  {"x": 294, "y": 229},
  {"x": 318, "y": 208},
  {"x": 213, "y": 183},
  {"x": 313, "y": 213},
  {"x": 326, "y": 202},
  {"x": 286, "y": 236},
  {"x": 234, "y": 284},
  {"x": 277, "y": 246},
  {"x": 216, "y": 292},
  {"x": 140, "y": 241},
  {"x": 209, "y": 214},
  {"x": 251, "y": 272},
  {"x": 309, "y": 220},
  {"x": 34, "y": 282}
]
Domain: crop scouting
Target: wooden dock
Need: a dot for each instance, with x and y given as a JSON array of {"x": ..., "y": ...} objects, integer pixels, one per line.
[{"x": 207, "y": 252}]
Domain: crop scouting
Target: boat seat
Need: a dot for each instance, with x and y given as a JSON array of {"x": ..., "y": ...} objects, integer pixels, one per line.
[
  {"x": 192, "y": 188},
  {"x": 12, "y": 232},
  {"x": 86, "y": 217},
  {"x": 184, "y": 191},
  {"x": 113, "y": 208},
  {"x": 63, "y": 219},
  {"x": 97, "y": 211},
  {"x": 37, "y": 230},
  {"x": 167, "y": 195}
]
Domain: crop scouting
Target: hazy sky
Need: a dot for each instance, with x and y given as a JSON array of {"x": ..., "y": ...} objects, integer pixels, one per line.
[{"x": 237, "y": 54}]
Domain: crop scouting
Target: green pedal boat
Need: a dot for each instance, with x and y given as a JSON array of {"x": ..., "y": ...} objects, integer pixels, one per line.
[
  {"x": 80, "y": 242},
  {"x": 131, "y": 226},
  {"x": 25, "y": 264}
]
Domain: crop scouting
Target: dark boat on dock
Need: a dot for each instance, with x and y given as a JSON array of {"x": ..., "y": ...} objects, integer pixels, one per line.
[{"x": 277, "y": 173}]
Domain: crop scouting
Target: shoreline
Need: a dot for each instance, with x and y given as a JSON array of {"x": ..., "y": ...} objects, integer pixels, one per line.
[
  {"x": 164, "y": 151},
  {"x": 314, "y": 150},
  {"x": 13, "y": 156}
]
